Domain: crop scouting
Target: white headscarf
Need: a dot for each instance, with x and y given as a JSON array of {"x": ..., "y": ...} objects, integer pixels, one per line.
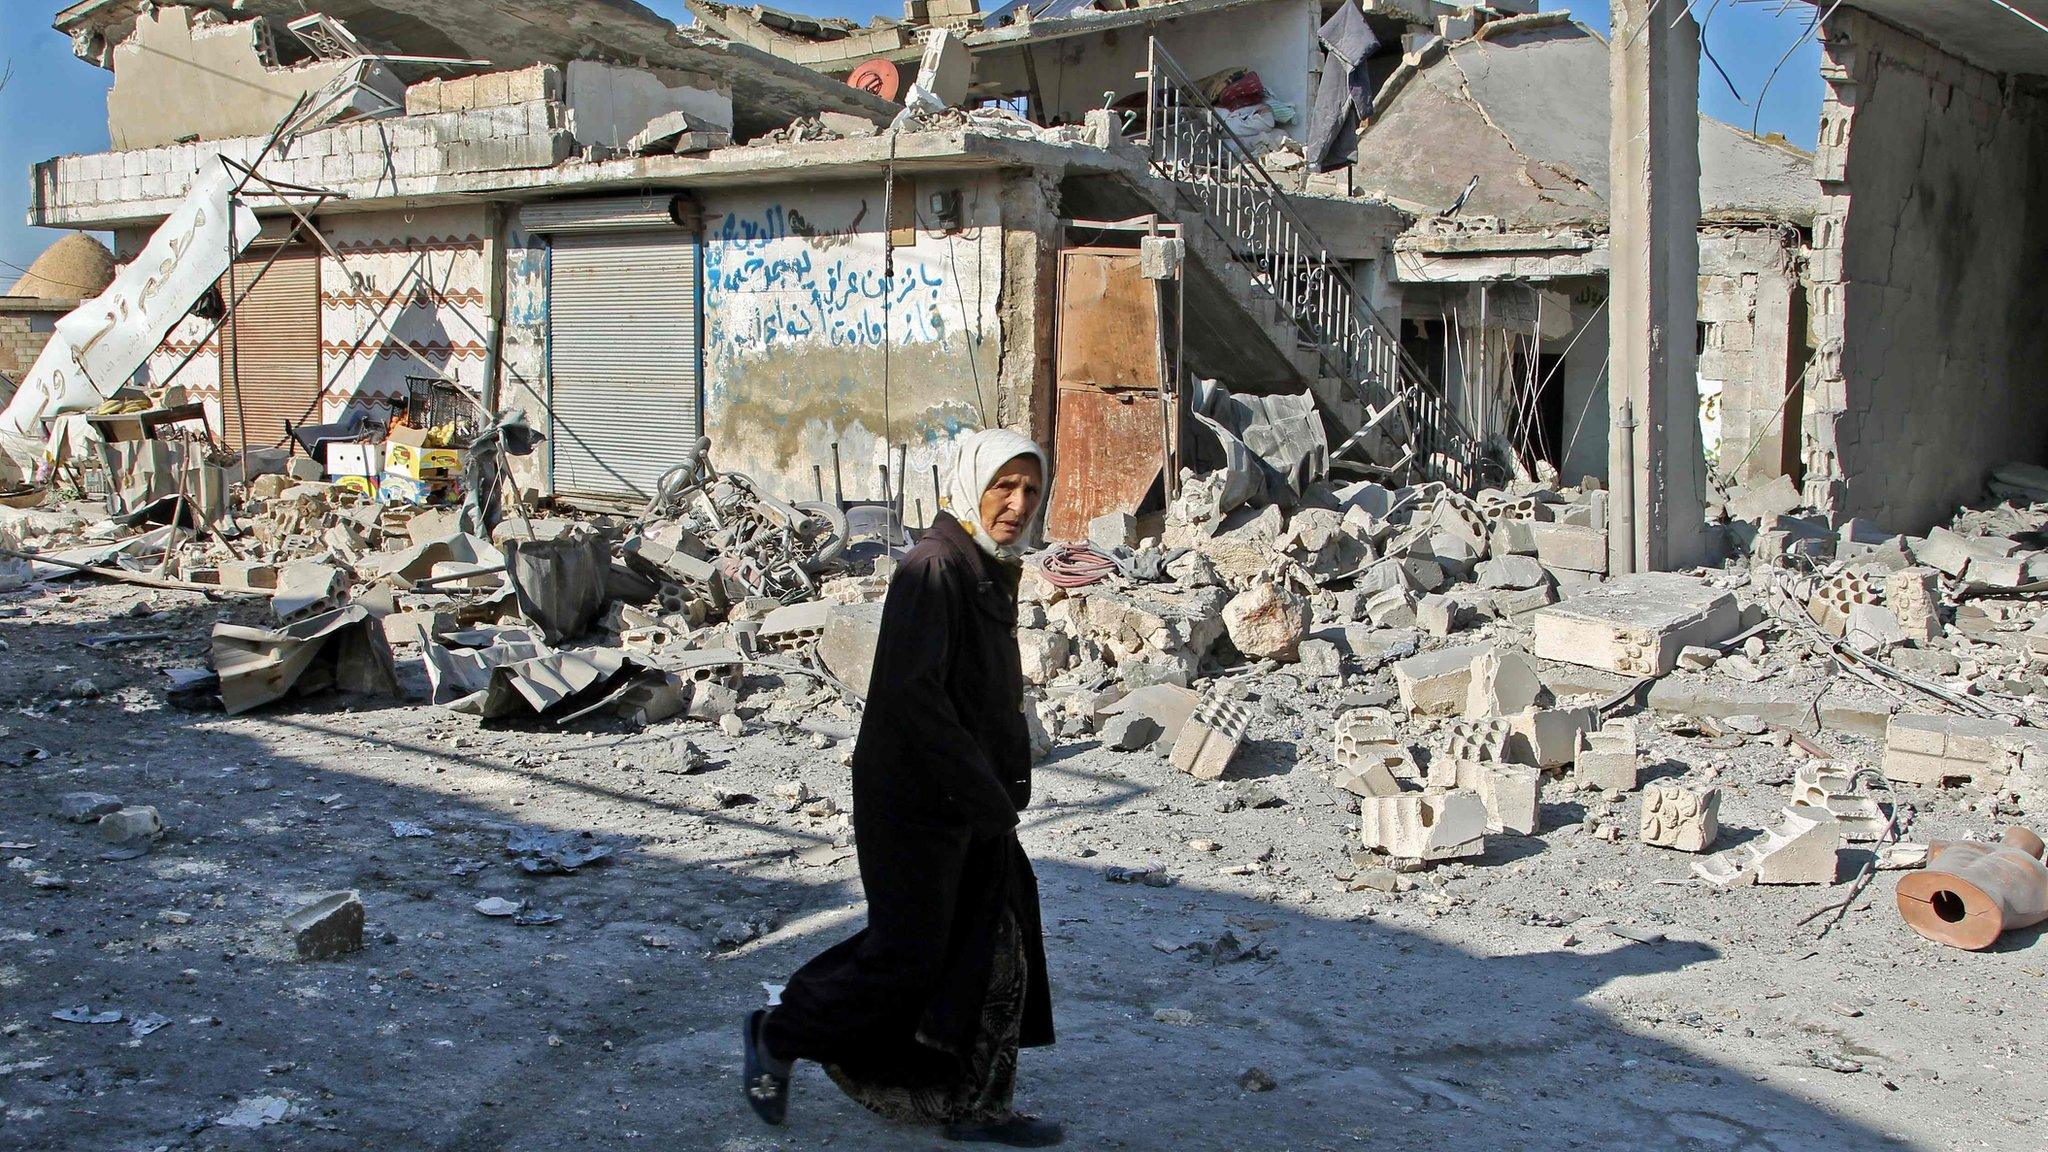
[{"x": 980, "y": 456}]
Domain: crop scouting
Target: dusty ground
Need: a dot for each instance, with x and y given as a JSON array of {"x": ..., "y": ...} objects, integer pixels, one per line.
[{"x": 1494, "y": 1006}]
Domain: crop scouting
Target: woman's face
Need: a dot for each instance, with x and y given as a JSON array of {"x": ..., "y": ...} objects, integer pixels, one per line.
[{"x": 1011, "y": 500}]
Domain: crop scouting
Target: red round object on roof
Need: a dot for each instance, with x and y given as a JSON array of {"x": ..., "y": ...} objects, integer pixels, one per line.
[{"x": 877, "y": 77}]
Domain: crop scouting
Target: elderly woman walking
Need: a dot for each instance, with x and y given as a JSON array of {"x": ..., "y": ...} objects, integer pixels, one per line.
[{"x": 920, "y": 1015}]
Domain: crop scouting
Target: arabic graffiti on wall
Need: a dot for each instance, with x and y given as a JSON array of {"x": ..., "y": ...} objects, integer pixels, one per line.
[{"x": 773, "y": 279}]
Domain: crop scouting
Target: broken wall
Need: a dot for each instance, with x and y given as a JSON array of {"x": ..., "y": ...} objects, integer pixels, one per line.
[
  {"x": 1752, "y": 348},
  {"x": 26, "y": 324},
  {"x": 174, "y": 81},
  {"x": 1277, "y": 40},
  {"x": 798, "y": 339},
  {"x": 608, "y": 105},
  {"x": 1934, "y": 222}
]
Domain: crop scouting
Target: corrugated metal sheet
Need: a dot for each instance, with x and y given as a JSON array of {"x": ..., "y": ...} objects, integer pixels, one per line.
[
  {"x": 270, "y": 374},
  {"x": 623, "y": 354},
  {"x": 653, "y": 211}
]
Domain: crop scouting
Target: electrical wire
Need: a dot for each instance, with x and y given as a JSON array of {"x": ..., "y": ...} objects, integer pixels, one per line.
[{"x": 50, "y": 279}]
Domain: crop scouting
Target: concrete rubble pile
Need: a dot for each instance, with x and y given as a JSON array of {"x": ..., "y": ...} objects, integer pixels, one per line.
[
  {"x": 1447, "y": 672},
  {"x": 1482, "y": 674},
  {"x": 553, "y": 618}
]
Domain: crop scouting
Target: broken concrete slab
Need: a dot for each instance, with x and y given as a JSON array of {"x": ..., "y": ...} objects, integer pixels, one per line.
[
  {"x": 1680, "y": 818},
  {"x": 1437, "y": 683},
  {"x": 1512, "y": 573},
  {"x": 1942, "y": 751},
  {"x": 1211, "y": 737},
  {"x": 328, "y": 927},
  {"x": 1168, "y": 705},
  {"x": 1424, "y": 826},
  {"x": 1635, "y": 625},
  {"x": 1873, "y": 628},
  {"x": 1775, "y": 496},
  {"x": 1570, "y": 546},
  {"x": 1608, "y": 759},
  {"x": 847, "y": 647},
  {"x": 1130, "y": 732}
]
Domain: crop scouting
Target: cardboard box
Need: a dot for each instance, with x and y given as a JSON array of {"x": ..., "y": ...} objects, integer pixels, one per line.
[
  {"x": 422, "y": 463},
  {"x": 355, "y": 459},
  {"x": 406, "y": 454}
]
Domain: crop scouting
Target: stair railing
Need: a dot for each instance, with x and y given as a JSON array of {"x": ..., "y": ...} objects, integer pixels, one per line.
[{"x": 1190, "y": 143}]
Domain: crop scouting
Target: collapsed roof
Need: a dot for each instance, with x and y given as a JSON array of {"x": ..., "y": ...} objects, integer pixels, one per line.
[
  {"x": 767, "y": 91},
  {"x": 1523, "y": 106}
]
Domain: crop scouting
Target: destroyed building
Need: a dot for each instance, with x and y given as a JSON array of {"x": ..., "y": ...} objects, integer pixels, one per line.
[
  {"x": 1929, "y": 341},
  {"x": 1497, "y": 146},
  {"x": 617, "y": 226}
]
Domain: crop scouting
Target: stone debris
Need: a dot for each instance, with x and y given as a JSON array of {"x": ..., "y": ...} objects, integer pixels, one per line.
[
  {"x": 1211, "y": 737},
  {"x": 86, "y": 807},
  {"x": 1502, "y": 684},
  {"x": 328, "y": 927},
  {"x": 1267, "y": 622},
  {"x": 131, "y": 829},
  {"x": 1635, "y": 625},
  {"x": 1608, "y": 759},
  {"x": 1802, "y": 847},
  {"x": 1131, "y": 732},
  {"x": 1424, "y": 826},
  {"x": 1823, "y": 785},
  {"x": 1437, "y": 683},
  {"x": 1679, "y": 817},
  {"x": 1943, "y": 751}
]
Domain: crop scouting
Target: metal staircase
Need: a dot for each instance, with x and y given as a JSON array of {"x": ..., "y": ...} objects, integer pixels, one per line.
[{"x": 1188, "y": 143}]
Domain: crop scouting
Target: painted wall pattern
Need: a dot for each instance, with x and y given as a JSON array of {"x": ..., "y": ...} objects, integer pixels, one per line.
[{"x": 435, "y": 322}]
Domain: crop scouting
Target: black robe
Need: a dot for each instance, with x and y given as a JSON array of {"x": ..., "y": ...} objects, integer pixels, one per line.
[{"x": 940, "y": 771}]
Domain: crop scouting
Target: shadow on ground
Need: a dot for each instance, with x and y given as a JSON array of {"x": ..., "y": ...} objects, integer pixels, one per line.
[{"x": 615, "y": 1027}]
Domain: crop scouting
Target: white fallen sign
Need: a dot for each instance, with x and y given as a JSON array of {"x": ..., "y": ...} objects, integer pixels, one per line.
[{"x": 99, "y": 345}]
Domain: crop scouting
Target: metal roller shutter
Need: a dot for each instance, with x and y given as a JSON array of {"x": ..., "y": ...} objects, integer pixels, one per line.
[
  {"x": 270, "y": 370},
  {"x": 623, "y": 358}
]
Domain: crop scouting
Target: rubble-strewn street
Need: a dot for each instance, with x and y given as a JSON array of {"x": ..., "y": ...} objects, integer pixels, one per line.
[
  {"x": 1231, "y": 968},
  {"x": 1520, "y": 606}
]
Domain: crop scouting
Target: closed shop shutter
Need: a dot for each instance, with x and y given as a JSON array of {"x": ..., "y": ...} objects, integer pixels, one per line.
[
  {"x": 623, "y": 358},
  {"x": 270, "y": 370}
]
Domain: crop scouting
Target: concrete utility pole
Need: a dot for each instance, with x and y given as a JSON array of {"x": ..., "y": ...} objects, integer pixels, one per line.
[{"x": 1653, "y": 313}]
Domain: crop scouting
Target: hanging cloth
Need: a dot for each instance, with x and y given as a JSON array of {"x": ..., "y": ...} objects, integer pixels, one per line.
[{"x": 1344, "y": 94}]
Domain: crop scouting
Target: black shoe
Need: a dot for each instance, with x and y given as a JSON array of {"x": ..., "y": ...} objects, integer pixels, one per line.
[
  {"x": 1019, "y": 1131},
  {"x": 767, "y": 1091}
]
